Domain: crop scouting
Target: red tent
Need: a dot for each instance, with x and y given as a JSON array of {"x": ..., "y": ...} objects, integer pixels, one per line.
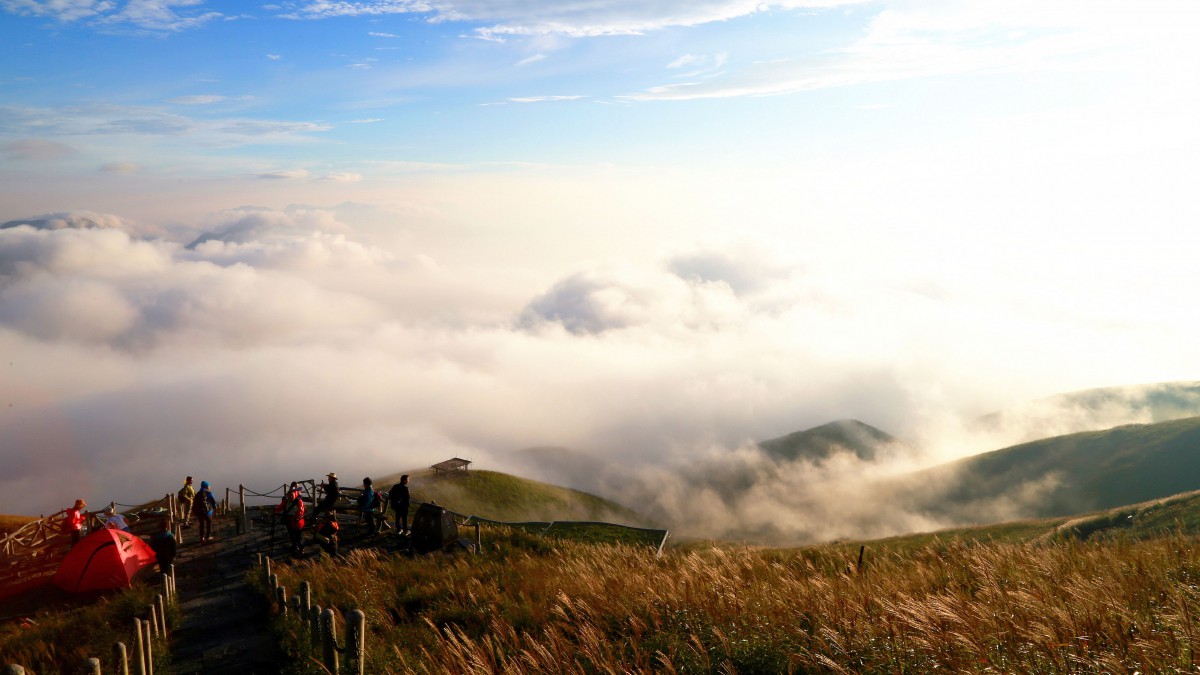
[{"x": 105, "y": 558}]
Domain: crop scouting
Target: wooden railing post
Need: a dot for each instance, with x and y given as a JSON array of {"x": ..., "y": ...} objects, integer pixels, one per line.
[
  {"x": 140, "y": 664},
  {"x": 120, "y": 658},
  {"x": 162, "y": 613},
  {"x": 356, "y": 641},
  {"x": 13, "y": 669},
  {"x": 152, "y": 613},
  {"x": 329, "y": 641},
  {"x": 92, "y": 666},
  {"x": 314, "y": 630},
  {"x": 149, "y": 648}
]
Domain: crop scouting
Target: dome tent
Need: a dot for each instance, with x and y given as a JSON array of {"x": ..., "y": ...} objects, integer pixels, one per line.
[{"x": 104, "y": 559}]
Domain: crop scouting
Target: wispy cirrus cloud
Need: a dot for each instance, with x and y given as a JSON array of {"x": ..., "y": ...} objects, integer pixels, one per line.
[
  {"x": 150, "y": 15},
  {"x": 287, "y": 174},
  {"x": 912, "y": 42},
  {"x": 198, "y": 99},
  {"x": 510, "y": 18},
  {"x": 543, "y": 99}
]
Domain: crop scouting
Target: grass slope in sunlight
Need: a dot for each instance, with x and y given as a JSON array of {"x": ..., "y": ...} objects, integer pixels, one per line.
[
  {"x": 504, "y": 497},
  {"x": 531, "y": 605}
]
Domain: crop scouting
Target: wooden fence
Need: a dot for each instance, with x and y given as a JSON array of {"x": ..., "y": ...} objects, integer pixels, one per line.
[{"x": 317, "y": 628}]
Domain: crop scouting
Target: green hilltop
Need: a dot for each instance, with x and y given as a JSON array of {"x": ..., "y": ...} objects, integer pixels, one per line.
[
  {"x": 824, "y": 441},
  {"x": 504, "y": 497}
]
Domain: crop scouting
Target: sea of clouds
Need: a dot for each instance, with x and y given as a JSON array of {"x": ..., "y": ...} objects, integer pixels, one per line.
[{"x": 264, "y": 346}]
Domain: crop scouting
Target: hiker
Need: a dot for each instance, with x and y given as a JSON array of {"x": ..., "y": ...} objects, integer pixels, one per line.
[
  {"x": 366, "y": 506},
  {"x": 115, "y": 521},
  {"x": 73, "y": 525},
  {"x": 186, "y": 494},
  {"x": 327, "y": 533},
  {"x": 202, "y": 507},
  {"x": 398, "y": 496},
  {"x": 291, "y": 508},
  {"x": 164, "y": 546},
  {"x": 328, "y": 503}
]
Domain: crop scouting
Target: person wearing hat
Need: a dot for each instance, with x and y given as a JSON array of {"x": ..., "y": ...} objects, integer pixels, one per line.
[
  {"x": 73, "y": 524},
  {"x": 115, "y": 521},
  {"x": 202, "y": 507},
  {"x": 328, "y": 502}
]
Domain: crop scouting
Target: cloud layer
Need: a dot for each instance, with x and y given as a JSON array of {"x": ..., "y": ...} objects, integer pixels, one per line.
[{"x": 284, "y": 344}]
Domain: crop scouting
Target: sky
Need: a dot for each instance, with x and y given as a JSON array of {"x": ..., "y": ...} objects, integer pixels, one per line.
[{"x": 260, "y": 242}]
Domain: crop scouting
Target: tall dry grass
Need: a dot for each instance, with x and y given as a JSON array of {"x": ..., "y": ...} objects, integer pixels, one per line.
[{"x": 529, "y": 606}]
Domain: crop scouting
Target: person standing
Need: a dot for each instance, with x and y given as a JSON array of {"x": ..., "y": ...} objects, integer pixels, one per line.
[
  {"x": 398, "y": 497},
  {"x": 367, "y": 502},
  {"x": 328, "y": 503},
  {"x": 73, "y": 525},
  {"x": 291, "y": 509},
  {"x": 202, "y": 507},
  {"x": 186, "y": 494},
  {"x": 164, "y": 546}
]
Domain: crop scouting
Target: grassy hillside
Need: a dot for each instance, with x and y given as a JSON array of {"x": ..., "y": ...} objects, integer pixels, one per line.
[
  {"x": 1078, "y": 472},
  {"x": 528, "y": 605},
  {"x": 822, "y": 442},
  {"x": 500, "y": 496}
]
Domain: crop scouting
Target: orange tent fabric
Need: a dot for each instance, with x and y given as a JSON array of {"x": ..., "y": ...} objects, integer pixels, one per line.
[{"x": 104, "y": 559}]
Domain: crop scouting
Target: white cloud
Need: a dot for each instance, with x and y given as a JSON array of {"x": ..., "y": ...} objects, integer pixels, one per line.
[
  {"x": 577, "y": 19},
  {"x": 274, "y": 57},
  {"x": 342, "y": 177},
  {"x": 542, "y": 99},
  {"x": 122, "y": 167},
  {"x": 288, "y": 174},
  {"x": 198, "y": 99},
  {"x": 152, "y": 15},
  {"x": 910, "y": 41},
  {"x": 531, "y": 59}
]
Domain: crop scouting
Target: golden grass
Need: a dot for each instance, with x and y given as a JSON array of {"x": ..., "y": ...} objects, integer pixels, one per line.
[
  {"x": 530, "y": 606},
  {"x": 10, "y": 523}
]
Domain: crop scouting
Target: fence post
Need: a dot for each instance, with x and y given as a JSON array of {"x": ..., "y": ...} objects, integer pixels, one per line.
[
  {"x": 171, "y": 576},
  {"x": 149, "y": 649},
  {"x": 141, "y": 647},
  {"x": 478, "y": 544},
  {"x": 356, "y": 641},
  {"x": 92, "y": 666},
  {"x": 120, "y": 658},
  {"x": 162, "y": 613},
  {"x": 13, "y": 669},
  {"x": 281, "y": 599},
  {"x": 329, "y": 641},
  {"x": 314, "y": 630},
  {"x": 305, "y": 603},
  {"x": 152, "y": 612},
  {"x": 245, "y": 519}
]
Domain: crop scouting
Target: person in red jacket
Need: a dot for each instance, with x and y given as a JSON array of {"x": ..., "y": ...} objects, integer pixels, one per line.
[
  {"x": 73, "y": 525},
  {"x": 291, "y": 509}
]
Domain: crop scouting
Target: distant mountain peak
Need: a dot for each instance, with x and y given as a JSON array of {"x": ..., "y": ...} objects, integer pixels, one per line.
[{"x": 824, "y": 441}]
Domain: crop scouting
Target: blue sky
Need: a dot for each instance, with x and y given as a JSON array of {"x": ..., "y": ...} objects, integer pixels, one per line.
[{"x": 649, "y": 231}]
